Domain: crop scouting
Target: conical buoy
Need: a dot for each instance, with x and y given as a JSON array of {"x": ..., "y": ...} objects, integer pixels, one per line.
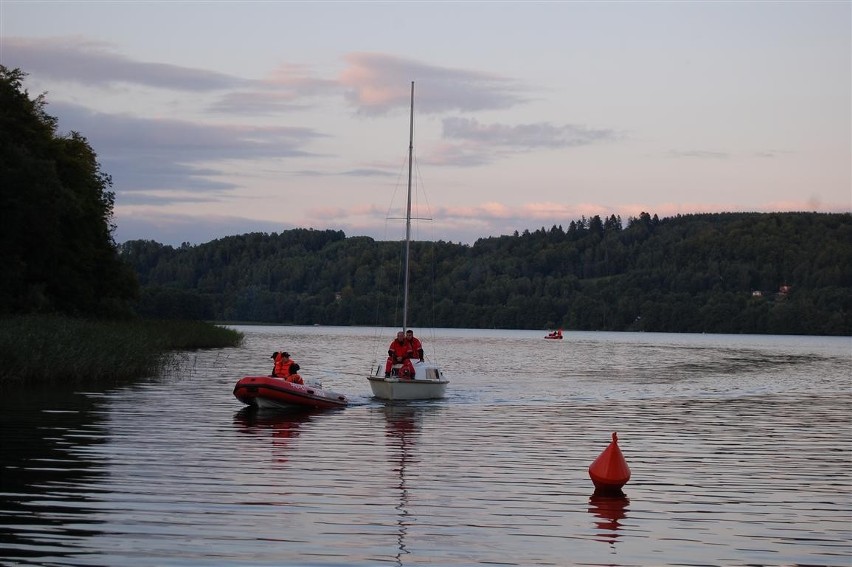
[{"x": 610, "y": 472}]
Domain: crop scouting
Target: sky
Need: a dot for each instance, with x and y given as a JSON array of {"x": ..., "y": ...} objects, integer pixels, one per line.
[{"x": 221, "y": 118}]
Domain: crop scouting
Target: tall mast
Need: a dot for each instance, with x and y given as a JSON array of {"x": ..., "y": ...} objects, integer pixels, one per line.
[{"x": 408, "y": 214}]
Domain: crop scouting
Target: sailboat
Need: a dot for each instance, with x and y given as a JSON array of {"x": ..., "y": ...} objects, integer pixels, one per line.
[{"x": 427, "y": 381}]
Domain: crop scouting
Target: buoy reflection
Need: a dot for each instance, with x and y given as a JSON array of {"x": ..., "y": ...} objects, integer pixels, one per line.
[{"x": 609, "y": 511}]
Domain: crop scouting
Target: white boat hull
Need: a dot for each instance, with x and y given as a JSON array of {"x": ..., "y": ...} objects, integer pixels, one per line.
[{"x": 428, "y": 384}]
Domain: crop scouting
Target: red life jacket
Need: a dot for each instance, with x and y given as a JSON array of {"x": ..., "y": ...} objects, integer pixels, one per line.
[
  {"x": 399, "y": 350},
  {"x": 282, "y": 366},
  {"x": 294, "y": 379},
  {"x": 416, "y": 347}
]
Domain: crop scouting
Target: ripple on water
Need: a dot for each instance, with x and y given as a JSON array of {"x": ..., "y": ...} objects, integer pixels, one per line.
[{"x": 738, "y": 448}]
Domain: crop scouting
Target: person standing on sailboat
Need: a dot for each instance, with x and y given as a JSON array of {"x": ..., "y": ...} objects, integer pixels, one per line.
[
  {"x": 415, "y": 344},
  {"x": 399, "y": 354}
]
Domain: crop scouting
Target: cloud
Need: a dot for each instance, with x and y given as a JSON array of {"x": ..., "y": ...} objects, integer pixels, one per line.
[
  {"x": 370, "y": 82},
  {"x": 459, "y": 155},
  {"x": 525, "y": 136},
  {"x": 91, "y": 62},
  {"x": 190, "y": 141},
  {"x": 143, "y": 154},
  {"x": 160, "y": 161},
  {"x": 470, "y": 143},
  {"x": 173, "y": 197},
  {"x": 373, "y": 80},
  {"x": 289, "y": 88},
  {"x": 257, "y": 103}
]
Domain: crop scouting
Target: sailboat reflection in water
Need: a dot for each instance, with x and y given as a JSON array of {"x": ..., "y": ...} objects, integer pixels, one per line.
[{"x": 402, "y": 428}]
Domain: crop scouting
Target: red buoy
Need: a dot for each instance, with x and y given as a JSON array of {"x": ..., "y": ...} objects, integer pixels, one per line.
[{"x": 610, "y": 472}]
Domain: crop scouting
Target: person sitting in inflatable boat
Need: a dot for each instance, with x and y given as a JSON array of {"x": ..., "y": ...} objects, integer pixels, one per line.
[{"x": 286, "y": 368}]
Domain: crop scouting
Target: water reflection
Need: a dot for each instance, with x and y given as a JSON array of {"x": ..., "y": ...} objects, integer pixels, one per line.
[
  {"x": 284, "y": 425},
  {"x": 608, "y": 511},
  {"x": 164, "y": 472},
  {"x": 50, "y": 455},
  {"x": 402, "y": 427}
]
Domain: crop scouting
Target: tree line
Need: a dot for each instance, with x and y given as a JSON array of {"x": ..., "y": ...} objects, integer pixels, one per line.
[{"x": 773, "y": 273}]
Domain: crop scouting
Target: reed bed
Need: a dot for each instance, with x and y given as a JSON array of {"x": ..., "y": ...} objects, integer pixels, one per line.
[{"x": 52, "y": 350}]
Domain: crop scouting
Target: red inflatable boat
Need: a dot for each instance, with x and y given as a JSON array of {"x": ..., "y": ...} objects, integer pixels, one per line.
[{"x": 269, "y": 392}]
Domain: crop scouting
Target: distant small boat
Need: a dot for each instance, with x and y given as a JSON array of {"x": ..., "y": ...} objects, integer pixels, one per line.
[
  {"x": 557, "y": 335},
  {"x": 271, "y": 392}
]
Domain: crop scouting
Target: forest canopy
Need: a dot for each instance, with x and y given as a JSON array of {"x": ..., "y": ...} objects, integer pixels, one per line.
[
  {"x": 773, "y": 273},
  {"x": 56, "y": 242}
]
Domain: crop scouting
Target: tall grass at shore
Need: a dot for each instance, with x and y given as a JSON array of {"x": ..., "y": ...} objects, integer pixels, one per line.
[{"x": 54, "y": 349}]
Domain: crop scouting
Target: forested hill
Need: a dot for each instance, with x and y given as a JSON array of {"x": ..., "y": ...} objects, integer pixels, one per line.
[{"x": 776, "y": 273}]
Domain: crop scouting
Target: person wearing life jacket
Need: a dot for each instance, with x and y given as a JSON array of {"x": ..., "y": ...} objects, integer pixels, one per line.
[
  {"x": 294, "y": 378},
  {"x": 415, "y": 344},
  {"x": 286, "y": 368},
  {"x": 399, "y": 352},
  {"x": 275, "y": 356}
]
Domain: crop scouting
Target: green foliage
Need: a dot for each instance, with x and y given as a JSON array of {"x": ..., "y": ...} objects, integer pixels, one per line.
[
  {"x": 56, "y": 243},
  {"x": 780, "y": 273},
  {"x": 40, "y": 349}
]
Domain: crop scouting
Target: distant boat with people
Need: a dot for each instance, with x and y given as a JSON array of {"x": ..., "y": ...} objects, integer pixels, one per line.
[{"x": 554, "y": 335}]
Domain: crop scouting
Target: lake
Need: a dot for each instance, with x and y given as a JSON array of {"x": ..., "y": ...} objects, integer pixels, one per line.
[{"x": 739, "y": 448}]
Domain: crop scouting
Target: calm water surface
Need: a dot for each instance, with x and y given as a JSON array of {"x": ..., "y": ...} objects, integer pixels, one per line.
[{"x": 739, "y": 448}]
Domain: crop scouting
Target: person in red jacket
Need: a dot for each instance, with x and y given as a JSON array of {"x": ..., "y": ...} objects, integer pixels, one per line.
[
  {"x": 286, "y": 368},
  {"x": 399, "y": 352},
  {"x": 294, "y": 378},
  {"x": 415, "y": 344}
]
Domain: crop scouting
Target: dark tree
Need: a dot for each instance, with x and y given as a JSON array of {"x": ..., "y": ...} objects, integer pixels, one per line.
[{"x": 56, "y": 244}]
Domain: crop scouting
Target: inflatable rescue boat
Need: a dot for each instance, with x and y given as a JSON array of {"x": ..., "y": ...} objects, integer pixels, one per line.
[{"x": 270, "y": 392}]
